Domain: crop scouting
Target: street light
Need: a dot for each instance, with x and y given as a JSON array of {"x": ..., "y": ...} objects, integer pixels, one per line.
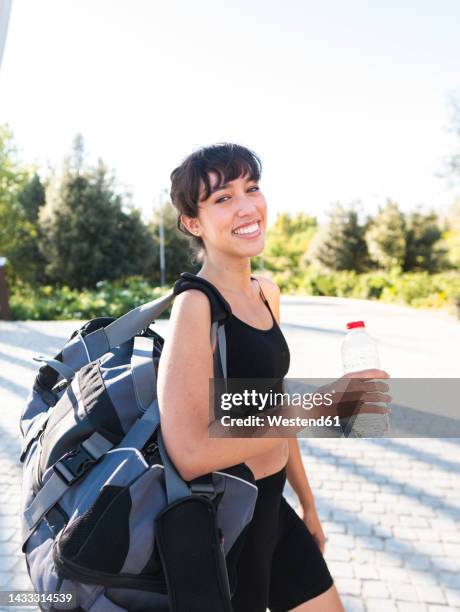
[
  {"x": 162, "y": 200},
  {"x": 5, "y": 312},
  {"x": 5, "y": 9}
]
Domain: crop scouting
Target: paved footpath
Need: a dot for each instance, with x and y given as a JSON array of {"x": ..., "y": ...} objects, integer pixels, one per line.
[{"x": 390, "y": 508}]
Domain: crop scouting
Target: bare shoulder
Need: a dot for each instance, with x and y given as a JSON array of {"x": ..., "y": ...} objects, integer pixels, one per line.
[
  {"x": 191, "y": 312},
  {"x": 269, "y": 287}
]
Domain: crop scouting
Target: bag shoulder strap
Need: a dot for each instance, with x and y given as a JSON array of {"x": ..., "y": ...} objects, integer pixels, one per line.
[{"x": 220, "y": 308}]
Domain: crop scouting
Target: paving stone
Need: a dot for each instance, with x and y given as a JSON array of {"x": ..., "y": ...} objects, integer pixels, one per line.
[
  {"x": 427, "y": 535},
  {"x": 451, "y": 550},
  {"x": 380, "y": 605},
  {"x": 371, "y": 543},
  {"x": 453, "y": 597},
  {"x": 450, "y": 536},
  {"x": 382, "y": 532},
  {"x": 364, "y": 556},
  {"x": 343, "y": 541},
  {"x": 398, "y": 547},
  {"x": 369, "y": 509},
  {"x": 331, "y": 527},
  {"x": 392, "y": 574},
  {"x": 337, "y": 553},
  {"x": 348, "y": 586},
  {"x": 414, "y": 521},
  {"x": 359, "y": 529},
  {"x": 450, "y": 580},
  {"x": 446, "y": 564},
  {"x": 339, "y": 569},
  {"x": 430, "y": 594},
  {"x": 404, "y": 533},
  {"x": 5, "y": 579},
  {"x": 375, "y": 588},
  {"x": 423, "y": 578},
  {"x": 403, "y": 592},
  {"x": 405, "y": 606},
  {"x": 417, "y": 562},
  {"x": 366, "y": 571},
  {"x": 352, "y": 604},
  {"x": 7, "y": 563}
]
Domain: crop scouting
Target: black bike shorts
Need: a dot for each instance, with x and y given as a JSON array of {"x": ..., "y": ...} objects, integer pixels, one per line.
[{"x": 275, "y": 563}]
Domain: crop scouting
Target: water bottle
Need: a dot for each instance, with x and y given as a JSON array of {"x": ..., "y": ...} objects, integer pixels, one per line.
[{"x": 360, "y": 352}]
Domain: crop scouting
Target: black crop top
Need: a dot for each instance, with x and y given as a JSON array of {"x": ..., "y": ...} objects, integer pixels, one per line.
[{"x": 254, "y": 353}]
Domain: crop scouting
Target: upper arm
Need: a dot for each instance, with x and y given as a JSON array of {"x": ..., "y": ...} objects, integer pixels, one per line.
[
  {"x": 272, "y": 293},
  {"x": 186, "y": 365}
]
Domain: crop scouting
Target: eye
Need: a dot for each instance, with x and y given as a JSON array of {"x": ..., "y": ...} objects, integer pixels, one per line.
[
  {"x": 255, "y": 188},
  {"x": 222, "y": 199}
]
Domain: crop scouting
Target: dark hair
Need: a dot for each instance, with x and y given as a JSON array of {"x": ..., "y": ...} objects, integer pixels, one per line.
[{"x": 228, "y": 161}]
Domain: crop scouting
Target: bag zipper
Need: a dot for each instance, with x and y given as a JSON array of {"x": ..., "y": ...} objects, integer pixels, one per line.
[{"x": 69, "y": 569}]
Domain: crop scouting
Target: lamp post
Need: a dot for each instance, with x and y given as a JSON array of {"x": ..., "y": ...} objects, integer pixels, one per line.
[
  {"x": 163, "y": 195},
  {"x": 5, "y": 312},
  {"x": 5, "y": 9}
]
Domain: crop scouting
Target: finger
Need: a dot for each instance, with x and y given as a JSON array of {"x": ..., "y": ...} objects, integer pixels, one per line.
[
  {"x": 377, "y": 397},
  {"x": 371, "y": 373},
  {"x": 372, "y": 409},
  {"x": 375, "y": 385}
]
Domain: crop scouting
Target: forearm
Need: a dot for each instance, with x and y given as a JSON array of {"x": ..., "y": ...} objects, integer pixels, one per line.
[
  {"x": 219, "y": 447},
  {"x": 296, "y": 475}
]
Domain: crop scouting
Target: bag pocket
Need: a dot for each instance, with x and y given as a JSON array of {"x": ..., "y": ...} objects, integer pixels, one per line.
[
  {"x": 192, "y": 554},
  {"x": 112, "y": 543}
]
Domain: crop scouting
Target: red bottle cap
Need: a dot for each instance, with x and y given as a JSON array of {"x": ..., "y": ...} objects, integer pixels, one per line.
[{"x": 354, "y": 324}]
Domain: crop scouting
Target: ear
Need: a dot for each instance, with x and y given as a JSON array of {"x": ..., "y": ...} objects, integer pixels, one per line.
[{"x": 191, "y": 224}]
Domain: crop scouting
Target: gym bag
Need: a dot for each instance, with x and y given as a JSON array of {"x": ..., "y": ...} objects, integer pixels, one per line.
[{"x": 105, "y": 514}]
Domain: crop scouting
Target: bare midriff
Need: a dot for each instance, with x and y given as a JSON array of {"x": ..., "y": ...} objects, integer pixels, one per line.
[{"x": 270, "y": 462}]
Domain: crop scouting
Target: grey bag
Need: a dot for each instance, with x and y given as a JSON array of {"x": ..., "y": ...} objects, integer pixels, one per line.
[{"x": 96, "y": 474}]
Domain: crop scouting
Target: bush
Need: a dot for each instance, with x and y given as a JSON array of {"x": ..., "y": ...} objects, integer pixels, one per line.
[
  {"x": 418, "y": 289},
  {"x": 111, "y": 299}
]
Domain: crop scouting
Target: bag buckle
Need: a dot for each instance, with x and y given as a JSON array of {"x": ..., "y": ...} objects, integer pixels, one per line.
[
  {"x": 74, "y": 464},
  {"x": 205, "y": 489}
]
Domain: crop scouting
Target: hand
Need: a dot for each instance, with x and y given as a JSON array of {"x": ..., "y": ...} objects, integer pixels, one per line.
[
  {"x": 355, "y": 393},
  {"x": 311, "y": 519}
]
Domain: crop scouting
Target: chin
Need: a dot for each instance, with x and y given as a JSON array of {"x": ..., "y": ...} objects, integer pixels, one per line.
[{"x": 252, "y": 250}]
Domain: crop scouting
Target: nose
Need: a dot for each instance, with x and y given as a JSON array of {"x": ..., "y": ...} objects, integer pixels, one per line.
[{"x": 246, "y": 206}]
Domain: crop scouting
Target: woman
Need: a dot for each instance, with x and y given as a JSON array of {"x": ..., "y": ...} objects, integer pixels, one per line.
[{"x": 220, "y": 204}]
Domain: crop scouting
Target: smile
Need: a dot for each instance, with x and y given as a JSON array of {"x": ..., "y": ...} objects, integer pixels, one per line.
[{"x": 248, "y": 231}]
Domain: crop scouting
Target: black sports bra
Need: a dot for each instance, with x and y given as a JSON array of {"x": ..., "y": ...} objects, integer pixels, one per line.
[{"x": 254, "y": 353}]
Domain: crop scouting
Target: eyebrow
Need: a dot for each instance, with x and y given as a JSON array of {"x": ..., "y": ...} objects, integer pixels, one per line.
[{"x": 225, "y": 186}]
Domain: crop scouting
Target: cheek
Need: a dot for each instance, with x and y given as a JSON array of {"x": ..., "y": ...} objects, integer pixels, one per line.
[
  {"x": 262, "y": 205},
  {"x": 218, "y": 220}
]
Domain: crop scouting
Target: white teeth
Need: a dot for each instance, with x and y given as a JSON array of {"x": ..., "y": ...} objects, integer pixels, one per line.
[{"x": 249, "y": 229}]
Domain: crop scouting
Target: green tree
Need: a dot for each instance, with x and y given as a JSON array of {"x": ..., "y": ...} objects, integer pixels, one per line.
[
  {"x": 452, "y": 235},
  {"x": 287, "y": 240},
  {"x": 385, "y": 237},
  {"x": 90, "y": 232},
  {"x": 453, "y": 162},
  {"x": 178, "y": 256},
  {"x": 18, "y": 226},
  {"x": 424, "y": 248},
  {"x": 340, "y": 243},
  {"x": 28, "y": 260}
]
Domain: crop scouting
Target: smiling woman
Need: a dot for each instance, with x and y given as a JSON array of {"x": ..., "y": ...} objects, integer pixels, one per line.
[{"x": 277, "y": 561}]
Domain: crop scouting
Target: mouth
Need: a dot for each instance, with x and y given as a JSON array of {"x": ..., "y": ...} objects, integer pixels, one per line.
[{"x": 251, "y": 230}]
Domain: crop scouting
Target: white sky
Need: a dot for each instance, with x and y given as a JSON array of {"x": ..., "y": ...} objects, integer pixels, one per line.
[{"x": 341, "y": 99}]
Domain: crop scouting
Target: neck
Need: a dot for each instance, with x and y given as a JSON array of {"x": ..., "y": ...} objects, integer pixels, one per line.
[{"x": 232, "y": 276}]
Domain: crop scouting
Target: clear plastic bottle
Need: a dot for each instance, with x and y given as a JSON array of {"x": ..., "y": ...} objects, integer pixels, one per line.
[{"x": 360, "y": 352}]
